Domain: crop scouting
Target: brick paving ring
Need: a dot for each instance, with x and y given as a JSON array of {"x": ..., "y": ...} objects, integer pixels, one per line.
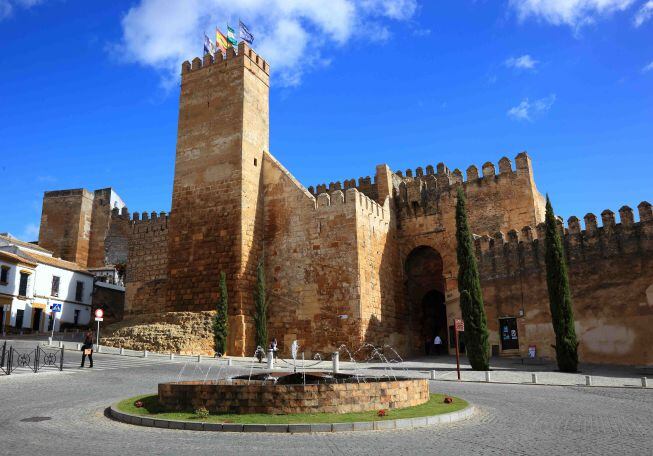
[{"x": 283, "y": 394}]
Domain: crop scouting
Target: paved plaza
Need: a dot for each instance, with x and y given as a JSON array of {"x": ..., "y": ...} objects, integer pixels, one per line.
[{"x": 62, "y": 413}]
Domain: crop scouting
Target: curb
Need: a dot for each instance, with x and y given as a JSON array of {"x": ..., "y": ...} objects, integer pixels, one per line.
[{"x": 403, "y": 423}]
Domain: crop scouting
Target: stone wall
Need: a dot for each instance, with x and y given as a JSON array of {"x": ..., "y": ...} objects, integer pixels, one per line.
[
  {"x": 243, "y": 396},
  {"x": 611, "y": 275},
  {"x": 187, "y": 333},
  {"x": 111, "y": 299},
  {"x": 311, "y": 263},
  {"x": 66, "y": 224},
  {"x": 146, "y": 275}
]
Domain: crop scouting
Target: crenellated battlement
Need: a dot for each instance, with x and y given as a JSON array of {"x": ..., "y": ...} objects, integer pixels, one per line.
[
  {"x": 366, "y": 185},
  {"x": 142, "y": 222},
  {"x": 338, "y": 199},
  {"x": 244, "y": 52},
  {"x": 504, "y": 253},
  {"x": 418, "y": 193}
]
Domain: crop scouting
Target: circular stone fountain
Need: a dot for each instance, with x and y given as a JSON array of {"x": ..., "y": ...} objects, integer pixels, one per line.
[{"x": 283, "y": 393}]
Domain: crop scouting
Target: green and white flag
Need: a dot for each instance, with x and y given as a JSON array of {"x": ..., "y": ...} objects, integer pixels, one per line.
[{"x": 231, "y": 36}]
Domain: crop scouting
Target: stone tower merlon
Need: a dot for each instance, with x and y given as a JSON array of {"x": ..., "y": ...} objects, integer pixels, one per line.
[{"x": 217, "y": 209}]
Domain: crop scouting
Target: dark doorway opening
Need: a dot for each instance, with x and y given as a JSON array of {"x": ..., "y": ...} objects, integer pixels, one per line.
[
  {"x": 19, "y": 318},
  {"x": 425, "y": 290},
  {"x": 509, "y": 335},
  {"x": 36, "y": 319},
  {"x": 434, "y": 322}
]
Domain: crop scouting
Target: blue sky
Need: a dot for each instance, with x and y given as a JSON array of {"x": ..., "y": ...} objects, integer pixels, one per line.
[{"x": 89, "y": 96}]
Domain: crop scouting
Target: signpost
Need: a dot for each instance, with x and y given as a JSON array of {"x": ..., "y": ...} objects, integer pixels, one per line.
[
  {"x": 54, "y": 308},
  {"x": 99, "y": 316},
  {"x": 458, "y": 325}
]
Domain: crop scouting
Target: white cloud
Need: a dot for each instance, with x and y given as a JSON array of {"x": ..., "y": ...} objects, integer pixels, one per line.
[
  {"x": 293, "y": 35},
  {"x": 644, "y": 13},
  {"x": 7, "y": 6},
  {"x": 647, "y": 68},
  {"x": 574, "y": 13},
  {"x": 529, "y": 110},
  {"x": 524, "y": 62}
]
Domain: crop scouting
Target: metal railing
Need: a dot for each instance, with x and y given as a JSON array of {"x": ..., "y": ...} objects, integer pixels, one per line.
[{"x": 34, "y": 359}]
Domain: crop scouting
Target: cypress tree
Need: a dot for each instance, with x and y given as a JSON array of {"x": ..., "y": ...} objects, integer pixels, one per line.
[
  {"x": 261, "y": 307},
  {"x": 557, "y": 281},
  {"x": 221, "y": 321},
  {"x": 471, "y": 296}
]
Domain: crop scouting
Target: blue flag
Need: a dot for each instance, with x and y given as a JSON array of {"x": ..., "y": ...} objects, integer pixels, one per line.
[
  {"x": 245, "y": 34},
  {"x": 207, "y": 45}
]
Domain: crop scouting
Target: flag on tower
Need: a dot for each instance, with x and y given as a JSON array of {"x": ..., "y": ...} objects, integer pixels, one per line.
[
  {"x": 244, "y": 33},
  {"x": 231, "y": 36},
  {"x": 208, "y": 46},
  {"x": 221, "y": 41}
]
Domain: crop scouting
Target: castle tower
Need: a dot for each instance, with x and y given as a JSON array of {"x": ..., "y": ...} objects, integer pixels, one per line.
[
  {"x": 217, "y": 208},
  {"x": 66, "y": 224},
  {"x": 75, "y": 223}
]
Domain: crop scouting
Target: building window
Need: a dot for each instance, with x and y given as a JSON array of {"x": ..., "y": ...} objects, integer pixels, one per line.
[
  {"x": 55, "y": 286},
  {"x": 4, "y": 275},
  {"x": 79, "y": 291},
  {"x": 22, "y": 288},
  {"x": 255, "y": 162}
]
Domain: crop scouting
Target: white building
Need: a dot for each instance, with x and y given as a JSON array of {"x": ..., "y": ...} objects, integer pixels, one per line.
[{"x": 32, "y": 281}]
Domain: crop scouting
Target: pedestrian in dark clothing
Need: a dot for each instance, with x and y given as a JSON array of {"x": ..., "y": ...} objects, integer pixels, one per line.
[
  {"x": 427, "y": 346},
  {"x": 87, "y": 350},
  {"x": 273, "y": 347}
]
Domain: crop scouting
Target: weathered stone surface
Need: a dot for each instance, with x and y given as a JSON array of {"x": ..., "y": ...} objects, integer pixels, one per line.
[{"x": 177, "y": 332}]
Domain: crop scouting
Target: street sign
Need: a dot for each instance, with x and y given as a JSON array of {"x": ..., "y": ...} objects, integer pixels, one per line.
[
  {"x": 55, "y": 307},
  {"x": 99, "y": 314},
  {"x": 459, "y": 325}
]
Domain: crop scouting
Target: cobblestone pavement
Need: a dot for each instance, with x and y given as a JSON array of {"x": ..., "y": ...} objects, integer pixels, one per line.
[{"x": 511, "y": 419}]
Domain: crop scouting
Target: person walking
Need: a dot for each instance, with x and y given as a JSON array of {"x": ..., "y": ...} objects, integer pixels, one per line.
[
  {"x": 87, "y": 350},
  {"x": 438, "y": 345},
  {"x": 427, "y": 346},
  {"x": 273, "y": 347}
]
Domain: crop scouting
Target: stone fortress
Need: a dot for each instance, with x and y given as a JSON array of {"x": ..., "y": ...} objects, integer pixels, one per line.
[{"x": 353, "y": 262}]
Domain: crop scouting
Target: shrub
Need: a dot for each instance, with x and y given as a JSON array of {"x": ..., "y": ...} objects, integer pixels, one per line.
[{"x": 201, "y": 413}]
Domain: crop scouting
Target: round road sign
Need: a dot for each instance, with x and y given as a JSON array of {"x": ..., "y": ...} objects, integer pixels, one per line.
[{"x": 99, "y": 313}]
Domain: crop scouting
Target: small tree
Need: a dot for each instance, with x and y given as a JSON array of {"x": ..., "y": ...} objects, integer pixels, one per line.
[
  {"x": 557, "y": 281},
  {"x": 221, "y": 321},
  {"x": 261, "y": 307},
  {"x": 471, "y": 296}
]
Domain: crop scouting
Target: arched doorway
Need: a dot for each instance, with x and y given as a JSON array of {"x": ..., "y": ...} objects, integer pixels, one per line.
[{"x": 425, "y": 289}]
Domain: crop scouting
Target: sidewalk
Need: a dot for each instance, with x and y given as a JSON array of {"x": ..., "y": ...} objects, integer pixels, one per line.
[{"x": 439, "y": 368}]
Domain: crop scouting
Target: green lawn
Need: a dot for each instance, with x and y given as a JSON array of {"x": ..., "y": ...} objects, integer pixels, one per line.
[{"x": 151, "y": 409}]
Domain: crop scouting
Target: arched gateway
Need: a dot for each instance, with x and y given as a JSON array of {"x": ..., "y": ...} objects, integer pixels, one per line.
[{"x": 425, "y": 288}]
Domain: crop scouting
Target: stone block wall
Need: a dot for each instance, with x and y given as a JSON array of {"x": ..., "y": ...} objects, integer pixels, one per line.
[
  {"x": 611, "y": 275},
  {"x": 217, "y": 211},
  {"x": 146, "y": 275},
  {"x": 243, "y": 396},
  {"x": 66, "y": 224},
  {"x": 311, "y": 263}
]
